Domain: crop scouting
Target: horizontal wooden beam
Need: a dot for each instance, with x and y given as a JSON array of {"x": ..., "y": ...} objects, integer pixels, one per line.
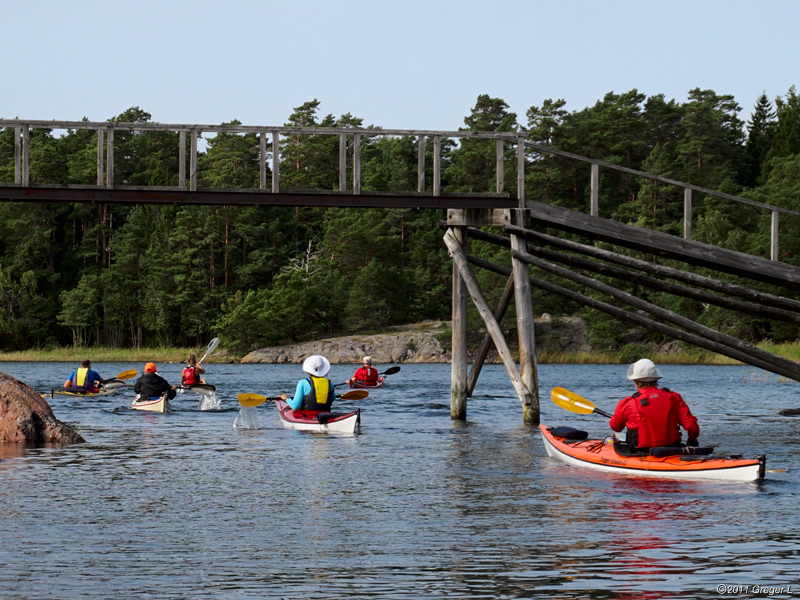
[
  {"x": 661, "y": 271},
  {"x": 250, "y": 197},
  {"x": 775, "y": 365}
]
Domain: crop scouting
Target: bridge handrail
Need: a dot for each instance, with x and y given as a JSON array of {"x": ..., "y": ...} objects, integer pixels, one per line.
[
  {"x": 105, "y": 171},
  {"x": 659, "y": 178}
]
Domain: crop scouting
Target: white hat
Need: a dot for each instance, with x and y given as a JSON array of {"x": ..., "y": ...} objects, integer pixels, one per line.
[
  {"x": 368, "y": 360},
  {"x": 644, "y": 369},
  {"x": 316, "y": 365}
]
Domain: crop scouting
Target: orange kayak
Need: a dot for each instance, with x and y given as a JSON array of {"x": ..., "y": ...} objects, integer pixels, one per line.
[{"x": 575, "y": 449}]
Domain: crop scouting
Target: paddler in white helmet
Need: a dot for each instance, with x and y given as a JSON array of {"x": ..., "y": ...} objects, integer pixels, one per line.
[
  {"x": 653, "y": 415},
  {"x": 315, "y": 392}
]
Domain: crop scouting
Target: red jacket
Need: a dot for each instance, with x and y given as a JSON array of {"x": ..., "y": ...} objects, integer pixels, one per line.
[
  {"x": 655, "y": 414},
  {"x": 366, "y": 375}
]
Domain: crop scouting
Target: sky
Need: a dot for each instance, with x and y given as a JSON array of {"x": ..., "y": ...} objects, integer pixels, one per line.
[{"x": 405, "y": 64}]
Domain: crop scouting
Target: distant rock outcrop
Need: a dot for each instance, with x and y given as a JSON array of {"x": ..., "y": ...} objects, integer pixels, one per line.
[
  {"x": 420, "y": 343},
  {"x": 411, "y": 344},
  {"x": 25, "y": 417}
]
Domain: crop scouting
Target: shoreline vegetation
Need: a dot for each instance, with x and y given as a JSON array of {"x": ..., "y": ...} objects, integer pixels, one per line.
[{"x": 790, "y": 351}]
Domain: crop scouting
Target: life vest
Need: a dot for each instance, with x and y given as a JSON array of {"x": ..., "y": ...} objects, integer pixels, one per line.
[
  {"x": 658, "y": 421},
  {"x": 190, "y": 376},
  {"x": 82, "y": 380},
  {"x": 366, "y": 375},
  {"x": 321, "y": 395}
]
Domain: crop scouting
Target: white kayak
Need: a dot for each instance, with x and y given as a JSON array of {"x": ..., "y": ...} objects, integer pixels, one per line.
[{"x": 157, "y": 405}]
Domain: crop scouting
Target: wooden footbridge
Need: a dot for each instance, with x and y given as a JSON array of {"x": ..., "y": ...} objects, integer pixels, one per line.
[{"x": 523, "y": 224}]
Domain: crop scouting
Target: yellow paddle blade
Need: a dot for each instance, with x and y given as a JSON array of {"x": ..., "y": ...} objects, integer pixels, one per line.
[
  {"x": 251, "y": 399},
  {"x": 126, "y": 375},
  {"x": 571, "y": 401},
  {"x": 354, "y": 395}
]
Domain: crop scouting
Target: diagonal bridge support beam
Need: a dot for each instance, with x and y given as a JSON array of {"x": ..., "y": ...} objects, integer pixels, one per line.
[{"x": 526, "y": 396}]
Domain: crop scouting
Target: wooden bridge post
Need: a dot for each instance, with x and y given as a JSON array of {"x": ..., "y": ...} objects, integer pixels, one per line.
[
  {"x": 110, "y": 159},
  {"x": 522, "y": 295},
  {"x": 18, "y": 155},
  {"x": 26, "y": 156},
  {"x": 460, "y": 359},
  {"x": 182, "y": 159},
  {"x": 101, "y": 168}
]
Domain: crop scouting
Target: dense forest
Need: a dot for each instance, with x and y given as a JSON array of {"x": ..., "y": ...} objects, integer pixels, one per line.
[{"x": 139, "y": 276}]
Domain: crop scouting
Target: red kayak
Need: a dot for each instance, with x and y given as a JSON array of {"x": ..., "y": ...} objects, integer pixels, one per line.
[
  {"x": 362, "y": 385},
  {"x": 316, "y": 420}
]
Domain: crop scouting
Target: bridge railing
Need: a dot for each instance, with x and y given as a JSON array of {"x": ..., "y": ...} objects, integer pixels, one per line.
[
  {"x": 269, "y": 144},
  {"x": 269, "y": 139}
]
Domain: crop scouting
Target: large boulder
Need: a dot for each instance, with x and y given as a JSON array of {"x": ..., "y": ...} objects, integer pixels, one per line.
[{"x": 25, "y": 416}]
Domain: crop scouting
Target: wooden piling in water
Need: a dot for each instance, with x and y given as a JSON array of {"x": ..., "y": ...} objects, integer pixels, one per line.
[{"x": 462, "y": 384}]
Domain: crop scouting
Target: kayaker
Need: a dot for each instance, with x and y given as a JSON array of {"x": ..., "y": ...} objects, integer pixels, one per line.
[
  {"x": 153, "y": 385},
  {"x": 652, "y": 414},
  {"x": 366, "y": 375},
  {"x": 84, "y": 378},
  {"x": 316, "y": 391},
  {"x": 191, "y": 374}
]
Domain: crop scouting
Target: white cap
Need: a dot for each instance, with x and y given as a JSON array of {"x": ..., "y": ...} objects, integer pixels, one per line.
[
  {"x": 368, "y": 360},
  {"x": 644, "y": 369},
  {"x": 316, "y": 365}
]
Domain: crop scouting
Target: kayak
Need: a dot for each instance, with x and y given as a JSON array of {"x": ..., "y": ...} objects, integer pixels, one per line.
[
  {"x": 359, "y": 385},
  {"x": 109, "y": 387},
  {"x": 320, "y": 421},
  {"x": 157, "y": 405},
  {"x": 572, "y": 447}
]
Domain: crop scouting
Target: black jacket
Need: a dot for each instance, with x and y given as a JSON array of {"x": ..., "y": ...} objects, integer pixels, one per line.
[{"x": 153, "y": 385}]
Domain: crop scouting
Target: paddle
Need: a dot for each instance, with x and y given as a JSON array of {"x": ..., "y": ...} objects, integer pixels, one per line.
[
  {"x": 201, "y": 388},
  {"x": 212, "y": 345},
  {"x": 120, "y": 377},
  {"x": 574, "y": 403},
  {"x": 250, "y": 399},
  {"x": 389, "y": 371},
  {"x": 126, "y": 375}
]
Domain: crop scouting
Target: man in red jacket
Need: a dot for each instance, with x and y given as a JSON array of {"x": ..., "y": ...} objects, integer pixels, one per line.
[
  {"x": 366, "y": 375},
  {"x": 652, "y": 414}
]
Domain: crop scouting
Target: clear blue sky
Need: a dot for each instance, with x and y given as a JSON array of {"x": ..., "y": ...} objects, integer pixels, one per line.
[{"x": 405, "y": 64}]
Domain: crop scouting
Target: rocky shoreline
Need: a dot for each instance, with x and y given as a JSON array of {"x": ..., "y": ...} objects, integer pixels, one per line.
[{"x": 419, "y": 343}]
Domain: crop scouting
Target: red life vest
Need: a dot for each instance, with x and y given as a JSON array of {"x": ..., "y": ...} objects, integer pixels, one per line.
[
  {"x": 658, "y": 419},
  {"x": 366, "y": 375},
  {"x": 190, "y": 376}
]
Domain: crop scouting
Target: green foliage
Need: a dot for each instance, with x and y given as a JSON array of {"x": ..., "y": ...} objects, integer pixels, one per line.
[{"x": 150, "y": 275}]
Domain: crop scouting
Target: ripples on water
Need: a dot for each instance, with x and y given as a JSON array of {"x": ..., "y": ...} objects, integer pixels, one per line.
[{"x": 185, "y": 506}]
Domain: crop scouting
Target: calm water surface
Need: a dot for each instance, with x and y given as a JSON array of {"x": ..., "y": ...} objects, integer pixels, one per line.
[{"x": 184, "y": 505}]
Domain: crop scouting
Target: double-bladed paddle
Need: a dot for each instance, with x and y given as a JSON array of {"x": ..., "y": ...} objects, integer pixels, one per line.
[
  {"x": 201, "y": 388},
  {"x": 250, "y": 399},
  {"x": 575, "y": 403},
  {"x": 389, "y": 371}
]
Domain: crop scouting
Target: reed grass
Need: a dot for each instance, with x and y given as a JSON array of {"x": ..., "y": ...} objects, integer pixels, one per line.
[{"x": 178, "y": 355}]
